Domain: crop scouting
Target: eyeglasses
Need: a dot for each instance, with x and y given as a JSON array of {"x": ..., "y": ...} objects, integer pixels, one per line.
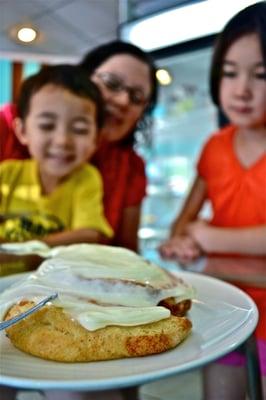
[{"x": 116, "y": 85}]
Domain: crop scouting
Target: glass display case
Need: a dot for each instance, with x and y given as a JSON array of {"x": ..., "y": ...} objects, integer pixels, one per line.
[{"x": 183, "y": 119}]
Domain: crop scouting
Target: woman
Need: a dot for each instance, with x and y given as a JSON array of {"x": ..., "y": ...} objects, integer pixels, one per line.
[{"x": 126, "y": 77}]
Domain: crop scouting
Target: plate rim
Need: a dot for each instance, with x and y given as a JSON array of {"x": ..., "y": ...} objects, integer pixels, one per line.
[{"x": 144, "y": 377}]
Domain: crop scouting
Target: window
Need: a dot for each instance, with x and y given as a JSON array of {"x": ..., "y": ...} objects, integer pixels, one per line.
[{"x": 6, "y": 81}]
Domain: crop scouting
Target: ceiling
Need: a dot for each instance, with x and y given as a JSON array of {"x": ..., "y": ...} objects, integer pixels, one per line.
[
  {"x": 142, "y": 8},
  {"x": 69, "y": 28}
]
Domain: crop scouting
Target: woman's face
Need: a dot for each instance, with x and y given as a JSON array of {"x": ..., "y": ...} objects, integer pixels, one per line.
[{"x": 125, "y": 84}]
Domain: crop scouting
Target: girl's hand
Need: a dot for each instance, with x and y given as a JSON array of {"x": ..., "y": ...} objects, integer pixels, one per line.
[{"x": 180, "y": 248}]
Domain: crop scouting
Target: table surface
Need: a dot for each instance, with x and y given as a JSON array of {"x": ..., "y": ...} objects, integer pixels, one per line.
[{"x": 244, "y": 270}]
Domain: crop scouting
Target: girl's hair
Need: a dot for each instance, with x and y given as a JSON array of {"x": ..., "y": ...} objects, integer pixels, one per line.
[
  {"x": 249, "y": 20},
  {"x": 69, "y": 77},
  {"x": 102, "y": 53}
]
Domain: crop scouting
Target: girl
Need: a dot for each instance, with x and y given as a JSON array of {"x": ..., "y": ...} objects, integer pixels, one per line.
[{"x": 232, "y": 165}]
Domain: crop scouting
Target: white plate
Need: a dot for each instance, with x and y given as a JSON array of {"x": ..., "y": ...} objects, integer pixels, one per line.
[{"x": 223, "y": 317}]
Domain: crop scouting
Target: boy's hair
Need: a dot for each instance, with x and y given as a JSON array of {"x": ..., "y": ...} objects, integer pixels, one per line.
[
  {"x": 102, "y": 53},
  {"x": 250, "y": 20},
  {"x": 69, "y": 77}
]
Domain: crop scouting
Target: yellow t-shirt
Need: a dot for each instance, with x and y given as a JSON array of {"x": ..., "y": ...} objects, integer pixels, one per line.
[{"x": 75, "y": 203}]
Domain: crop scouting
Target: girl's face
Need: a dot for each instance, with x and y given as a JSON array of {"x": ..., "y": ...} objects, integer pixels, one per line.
[
  {"x": 60, "y": 131},
  {"x": 243, "y": 84},
  {"x": 124, "y": 82}
]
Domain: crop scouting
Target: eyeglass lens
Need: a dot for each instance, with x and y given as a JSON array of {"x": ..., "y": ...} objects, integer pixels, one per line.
[{"x": 115, "y": 84}]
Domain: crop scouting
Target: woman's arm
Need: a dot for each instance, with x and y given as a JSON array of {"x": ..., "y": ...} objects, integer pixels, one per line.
[
  {"x": 127, "y": 234},
  {"x": 246, "y": 241},
  {"x": 191, "y": 207}
]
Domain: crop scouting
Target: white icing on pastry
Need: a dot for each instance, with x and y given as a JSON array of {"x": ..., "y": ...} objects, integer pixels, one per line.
[{"x": 100, "y": 286}]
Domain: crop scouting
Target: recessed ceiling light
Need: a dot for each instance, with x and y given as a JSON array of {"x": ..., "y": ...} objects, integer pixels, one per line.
[
  {"x": 26, "y": 34},
  {"x": 163, "y": 77}
]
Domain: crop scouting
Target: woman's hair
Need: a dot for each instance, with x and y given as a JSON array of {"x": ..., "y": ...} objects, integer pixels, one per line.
[
  {"x": 69, "y": 77},
  {"x": 102, "y": 53},
  {"x": 249, "y": 20}
]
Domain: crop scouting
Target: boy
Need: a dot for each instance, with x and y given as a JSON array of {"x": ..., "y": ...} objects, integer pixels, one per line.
[{"x": 57, "y": 195}]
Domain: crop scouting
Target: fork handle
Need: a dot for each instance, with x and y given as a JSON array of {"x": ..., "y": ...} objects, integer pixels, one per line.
[{"x": 12, "y": 321}]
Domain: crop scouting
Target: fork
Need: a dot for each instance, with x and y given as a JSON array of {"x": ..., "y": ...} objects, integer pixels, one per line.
[{"x": 12, "y": 321}]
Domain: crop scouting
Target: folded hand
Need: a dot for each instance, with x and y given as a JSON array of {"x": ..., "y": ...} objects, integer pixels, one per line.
[{"x": 183, "y": 249}]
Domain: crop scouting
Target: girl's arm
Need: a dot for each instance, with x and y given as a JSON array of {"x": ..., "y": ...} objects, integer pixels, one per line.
[
  {"x": 246, "y": 241},
  {"x": 191, "y": 207},
  {"x": 180, "y": 246}
]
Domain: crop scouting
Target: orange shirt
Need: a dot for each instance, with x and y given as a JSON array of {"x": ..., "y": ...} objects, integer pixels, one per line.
[{"x": 237, "y": 193}]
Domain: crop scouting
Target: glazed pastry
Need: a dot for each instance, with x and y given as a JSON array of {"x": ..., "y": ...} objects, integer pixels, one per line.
[{"x": 111, "y": 304}]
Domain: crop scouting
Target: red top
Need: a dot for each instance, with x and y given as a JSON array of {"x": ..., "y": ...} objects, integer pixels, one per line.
[
  {"x": 122, "y": 170},
  {"x": 10, "y": 147},
  {"x": 237, "y": 194},
  {"x": 124, "y": 179}
]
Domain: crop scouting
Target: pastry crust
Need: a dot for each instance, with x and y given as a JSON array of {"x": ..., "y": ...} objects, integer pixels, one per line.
[{"x": 52, "y": 334}]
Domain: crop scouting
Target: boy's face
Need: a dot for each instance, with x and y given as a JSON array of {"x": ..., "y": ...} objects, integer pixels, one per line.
[{"x": 60, "y": 131}]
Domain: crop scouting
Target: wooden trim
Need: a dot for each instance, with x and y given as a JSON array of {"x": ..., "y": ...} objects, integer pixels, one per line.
[{"x": 17, "y": 79}]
